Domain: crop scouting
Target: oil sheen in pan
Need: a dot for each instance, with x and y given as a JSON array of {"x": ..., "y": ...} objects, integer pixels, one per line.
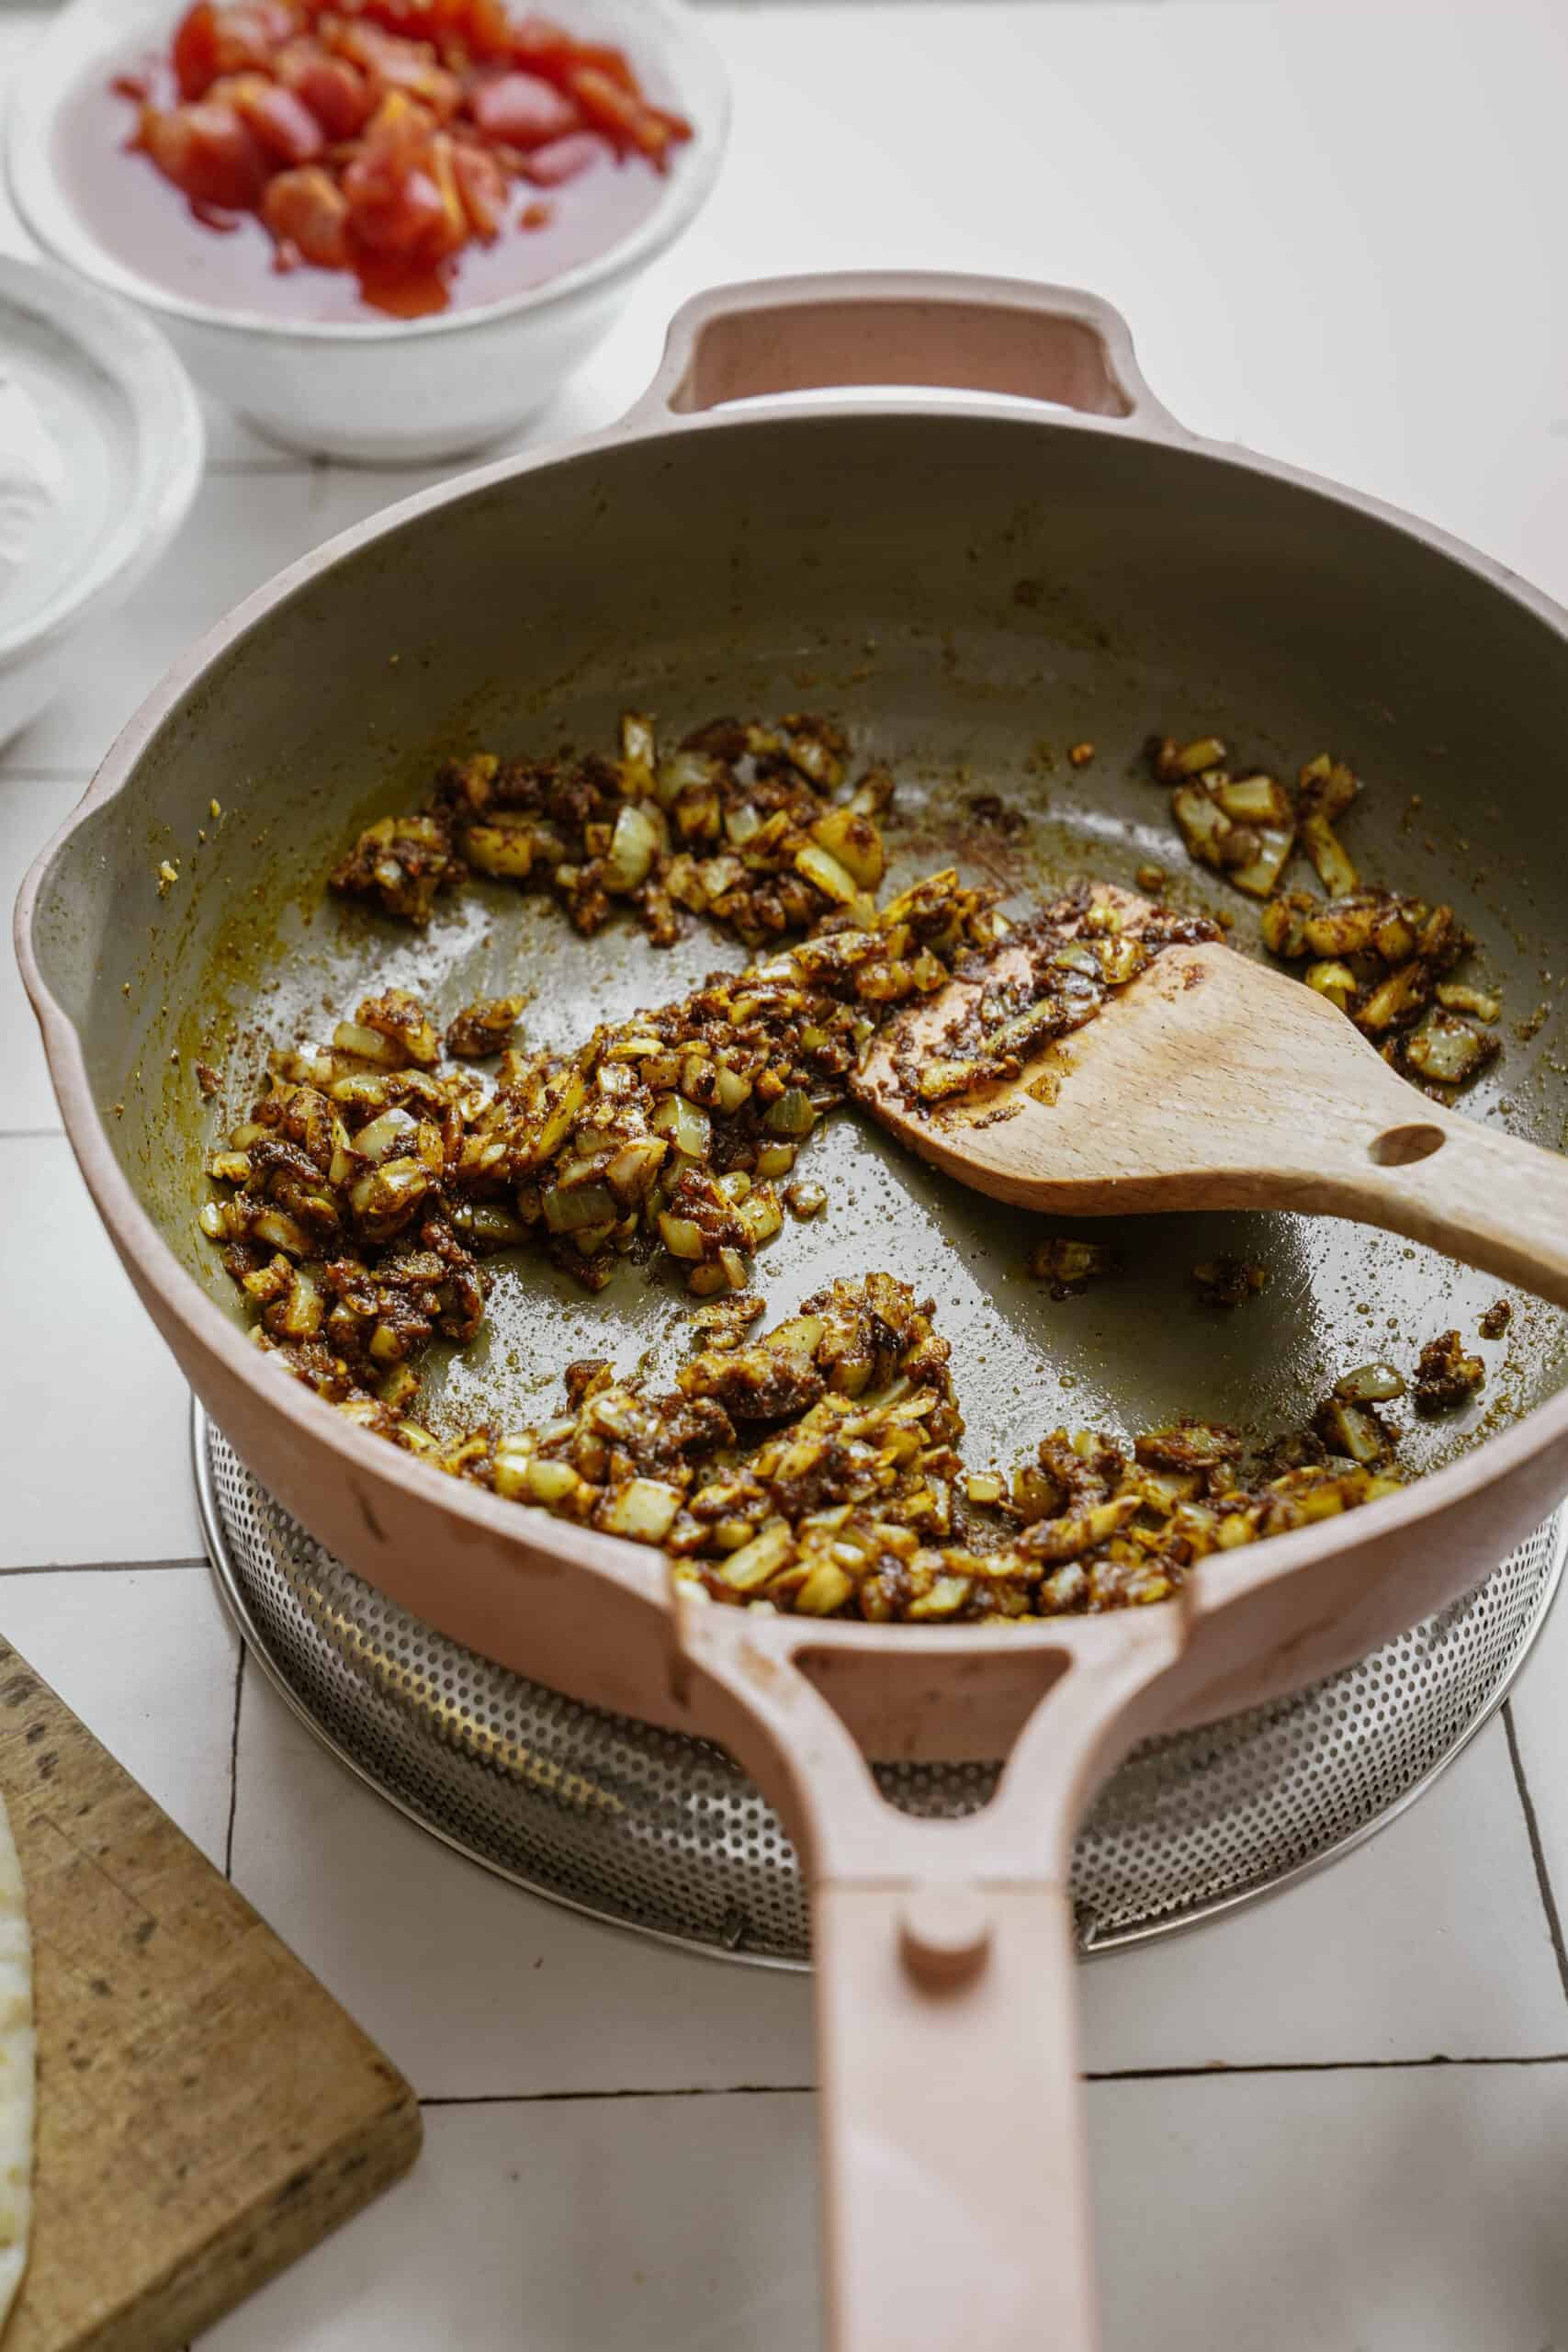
[{"x": 1135, "y": 1349}]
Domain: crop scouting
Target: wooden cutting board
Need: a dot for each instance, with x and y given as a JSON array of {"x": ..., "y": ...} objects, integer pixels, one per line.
[{"x": 206, "y": 2111}]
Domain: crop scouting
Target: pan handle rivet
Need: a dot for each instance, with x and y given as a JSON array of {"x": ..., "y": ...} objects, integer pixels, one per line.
[{"x": 943, "y": 1934}]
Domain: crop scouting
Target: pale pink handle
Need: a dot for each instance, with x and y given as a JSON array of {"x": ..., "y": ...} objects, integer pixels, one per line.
[
  {"x": 910, "y": 327},
  {"x": 956, "y": 2208}
]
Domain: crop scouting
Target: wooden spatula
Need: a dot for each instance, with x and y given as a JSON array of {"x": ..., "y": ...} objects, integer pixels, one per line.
[{"x": 1211, "y": 1081}]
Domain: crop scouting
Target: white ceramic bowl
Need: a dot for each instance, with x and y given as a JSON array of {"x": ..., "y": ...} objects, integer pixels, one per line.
[
  {"x": 377, "y": 390},
  {"x": 101, "y": 447}
]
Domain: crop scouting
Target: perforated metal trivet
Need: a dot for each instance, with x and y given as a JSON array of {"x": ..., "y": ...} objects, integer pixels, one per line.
[{"x": 663, "y": 1834}]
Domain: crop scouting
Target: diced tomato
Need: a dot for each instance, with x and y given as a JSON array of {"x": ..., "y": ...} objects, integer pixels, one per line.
[
  {"x": 611, "y": 62},
  {"x": 270, "y": 21},
  {"x": 390, "y": 285},
  {"x": 208, "y": 152},
  {"x": 481, "y": 27},
  {"x": 383, "y": 136},
  {"x": 402, "y": 187},
  {"x": 398, "y": 128},
  {"x": 393, "y": 217},
  {"x": 441, "y": 162},
  {"x": 406, "y": 65},
  {"x": 336, "y": 92},
  {"x": 355, "y": 38},
  {"x": 195, "y": 51},
  {"x": 629, "y": 121},
  {"x": 489, "y": 29},
  {"x": 481, "y": 183},
  {"x": 564, "y": 158},
  {"x": 285, "y": 127},
  {"x": 542, "y": 47},
  {"x": 522, "y": 110},
  {"x": 429, "y": 20},
  {"x": 209, "y": 41},
  {"x": 307, "y": 209}
]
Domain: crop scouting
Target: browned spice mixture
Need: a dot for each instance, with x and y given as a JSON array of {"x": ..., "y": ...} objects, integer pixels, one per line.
[
  {"x": 1496, "y": 1318},
  {"x": 817, "y": 1472},
  {"x": 369, "y": 1180},
  {"x": 1229, "y": 1282},
  {"x": 725, "y": 1320},
  {"x": 1061, "y": 967},
  {"x": 814, "y": 1469},
  {"x": 991, "y": 808},
  {"x": 745, "y": 824},
  {"x": 1445, "y": 1376},
  {"x": 483, "y": 1028},
  {"x": 1070, "y": 1266},
  {"x": 1381, "y": 958}
]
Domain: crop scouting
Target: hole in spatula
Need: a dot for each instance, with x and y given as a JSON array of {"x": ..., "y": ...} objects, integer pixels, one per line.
[{"x": 1398, "y": 1147}]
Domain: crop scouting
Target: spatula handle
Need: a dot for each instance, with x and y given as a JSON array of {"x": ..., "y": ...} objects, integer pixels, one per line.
[
  {"x": 1465, "y": 1189},
  {"x": 953, "y": 2130}
]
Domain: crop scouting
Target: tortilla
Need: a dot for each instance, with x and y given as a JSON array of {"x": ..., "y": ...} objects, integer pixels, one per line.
[{"x": 17, "y": 2067}]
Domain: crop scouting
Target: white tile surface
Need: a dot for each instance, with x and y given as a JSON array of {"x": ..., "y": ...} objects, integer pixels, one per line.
[
  {"x": 234, "y": 447},
  {"x": 1338, "y": 282},
  {"x": 472, "y": 1987},
  {"x": 606, "y": 2226},
  {"x": 30, "y": 809},
  {"x": 147, "y": 1658},
  {"x": 1539, "y": 1711},
  {"x": 1382, "y": 2212},
  {"x": 1394, "y": 1952},
  {"x": 1339, "y": 2212},
  {"x": 83, "y": 1357}
]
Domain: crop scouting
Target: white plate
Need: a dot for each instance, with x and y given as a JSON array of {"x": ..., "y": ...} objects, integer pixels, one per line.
[{"x": 101, "y": 445}]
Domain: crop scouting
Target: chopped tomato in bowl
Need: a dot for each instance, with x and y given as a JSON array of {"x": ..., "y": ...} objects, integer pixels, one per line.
[
  {"x": 386, "y": 137},
  {"x": 383, "y": 229}
]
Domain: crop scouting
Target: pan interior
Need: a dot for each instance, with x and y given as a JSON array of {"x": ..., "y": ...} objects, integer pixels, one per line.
[{"x": 970, "y": 595}]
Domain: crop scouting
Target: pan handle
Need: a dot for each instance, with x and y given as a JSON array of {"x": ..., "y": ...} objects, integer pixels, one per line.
[
  {"x": 953, "y": 2146},
  {"x": 984, "y": 334},
  {"x": 953, "y": 2174}
]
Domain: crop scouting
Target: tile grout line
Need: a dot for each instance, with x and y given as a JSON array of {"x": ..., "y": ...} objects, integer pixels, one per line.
[
  {"x": 1436, "y": 2063},
  {"x": 566, "y": 2098},
  {"x": 100, "y": 1567},
  {"x": 234, "y": 1762},
  {"x": 1214, "y": 2073},
  {"x": 1538, "y": 1853},
  {"x": 31, "y": 1134},
  {"x": 256, "y": 469}
]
